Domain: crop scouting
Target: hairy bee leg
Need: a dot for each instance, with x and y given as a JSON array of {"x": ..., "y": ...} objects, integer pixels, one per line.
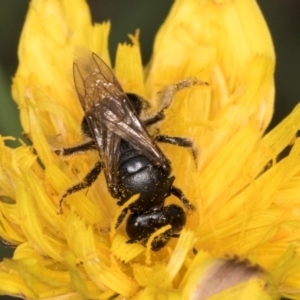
[
  {"x": 154, "y": 119},
  {"x": 167, "y": 96},
  {"x": 178, "y": 141},
  {"x": 168, "y": 93},
  {"x": 180, "y": 195},
  {"x": 85, "y": 183},
  {"x": 121, "y": 217},
  {"x": 76, "y": 149}
]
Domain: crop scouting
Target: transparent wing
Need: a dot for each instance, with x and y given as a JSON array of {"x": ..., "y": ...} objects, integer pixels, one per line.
[
  {"x": 108, "y": 144},
  {"x": 109, "y": 113}
]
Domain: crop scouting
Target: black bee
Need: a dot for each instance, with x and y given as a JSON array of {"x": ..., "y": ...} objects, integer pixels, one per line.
[{"x": 131, "y": 160}]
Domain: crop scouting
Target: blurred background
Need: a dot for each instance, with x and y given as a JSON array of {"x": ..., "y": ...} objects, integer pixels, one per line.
[{"x": 282, "y": 17}]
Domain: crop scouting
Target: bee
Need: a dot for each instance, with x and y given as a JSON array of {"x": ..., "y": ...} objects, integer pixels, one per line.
[{"x": 129, "y": 156}]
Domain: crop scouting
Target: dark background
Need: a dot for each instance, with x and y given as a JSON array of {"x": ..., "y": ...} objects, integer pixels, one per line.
[{"x": 282, "y": 17}]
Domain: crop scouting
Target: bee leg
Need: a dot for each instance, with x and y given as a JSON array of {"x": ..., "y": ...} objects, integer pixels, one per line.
[
  {"x": 121, "y": 217},
  {"x": 85, "y": 183},
  {"x": 178, "y": 141},
  {"x": 167, "y": 96},
  {"x": 90, "y": 145},
  {"x": 168, "y": 93},
  {"x": 180, "y": 195},
  {"x": 154, "y": 119}
]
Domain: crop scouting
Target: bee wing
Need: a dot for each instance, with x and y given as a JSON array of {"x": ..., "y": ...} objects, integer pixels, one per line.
[
  {"x": 108, "y": 144},
  {"x": 93, "y": 79},
  {"x": 108, "y": 109}
]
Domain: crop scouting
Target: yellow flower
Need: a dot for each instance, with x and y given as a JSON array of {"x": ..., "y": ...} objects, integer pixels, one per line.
[{"x": 246, "y": 222}]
